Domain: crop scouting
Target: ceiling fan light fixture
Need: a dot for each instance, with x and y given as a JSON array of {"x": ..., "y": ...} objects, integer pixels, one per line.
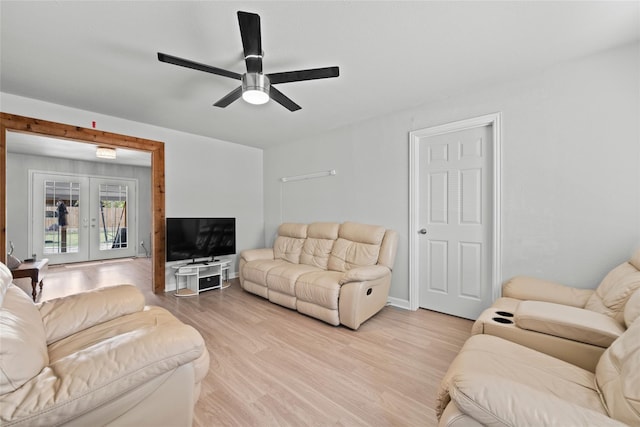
[
  {"x": 106, "y": 153},
  {"x": 255, "y": 88}
]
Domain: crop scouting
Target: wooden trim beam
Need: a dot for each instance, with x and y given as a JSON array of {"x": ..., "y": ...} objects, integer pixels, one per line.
[{"x": 15, "y": 123}]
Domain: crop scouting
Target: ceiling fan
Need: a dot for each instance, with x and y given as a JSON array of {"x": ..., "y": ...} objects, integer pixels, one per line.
[{"x": 256, "y": 87}]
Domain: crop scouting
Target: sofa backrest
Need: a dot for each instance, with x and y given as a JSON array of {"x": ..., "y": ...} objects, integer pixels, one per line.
[
  {"x": 388, "y": 249},
  {"x": 357, "y": 245},
  {"x": 317, "y": 247},
  {"x": 288, "y": 244},
  {"x": 334, "y": 246},
  {"x": 615, "y": 289},
  {"x": 618, "y": 376},
  {"x": 632, "y": 309},
  {"x": 23, "y": 348}
]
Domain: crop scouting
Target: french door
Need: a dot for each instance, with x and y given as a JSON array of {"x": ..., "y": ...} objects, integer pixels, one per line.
[{"x": 82, "y": 218}]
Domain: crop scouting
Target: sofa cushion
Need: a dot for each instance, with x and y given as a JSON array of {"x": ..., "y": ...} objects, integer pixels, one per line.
[
  {"x": 613, "y": 292},
  {"x": 357, "y": 245},
  {"x": 282, "y": 278},
  {"x": 362, "y": 233},
  {"x": 317, "y": 247},
  {"x": 288, "y": 244},
  {"x": 618, "y": 376},
  {"x": 321, "y": 288},
  {"x": 256, "y": 271},
  {"x": 23, "y": 349},
  {"x": 490, "y": 400},
  {"x": 533, "y": 288},
  {"x": 497, "y": 357},
  {"x": 568, "y": 322},
  {"x": 67, "y": 315}
]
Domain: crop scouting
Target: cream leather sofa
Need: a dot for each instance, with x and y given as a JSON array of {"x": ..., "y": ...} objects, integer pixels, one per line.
[
  {"x": 96, "y": 358},
  {"x": 575, "y": 325},
  {"x": 495, "y": 382},
  {"x": 338, "y": 273}
]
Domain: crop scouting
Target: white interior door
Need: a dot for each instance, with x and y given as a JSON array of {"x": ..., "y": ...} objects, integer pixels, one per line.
[
  {"x": 455, "y": 220},
  {"x": 79, "y": 218}
]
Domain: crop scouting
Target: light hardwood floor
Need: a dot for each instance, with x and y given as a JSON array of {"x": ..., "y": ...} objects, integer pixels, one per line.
[{"x": 271, "y": 366}]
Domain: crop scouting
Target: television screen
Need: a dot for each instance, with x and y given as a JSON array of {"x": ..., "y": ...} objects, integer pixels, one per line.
[{"x": 192, "y": 238}]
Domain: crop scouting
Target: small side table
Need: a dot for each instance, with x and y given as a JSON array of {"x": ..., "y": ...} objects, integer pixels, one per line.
[{"x": 34, "y": 270}]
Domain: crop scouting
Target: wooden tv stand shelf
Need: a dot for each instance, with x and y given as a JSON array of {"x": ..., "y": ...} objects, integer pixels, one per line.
[{"x": 201, "y": 276}]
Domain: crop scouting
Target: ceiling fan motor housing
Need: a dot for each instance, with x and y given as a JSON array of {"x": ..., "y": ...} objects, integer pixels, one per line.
[{"x": 255, "y": 88}]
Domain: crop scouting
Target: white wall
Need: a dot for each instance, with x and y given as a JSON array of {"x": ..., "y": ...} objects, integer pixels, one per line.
[
  {"x": 571, "y": 169},
  {"x": 203, "y": 176}
]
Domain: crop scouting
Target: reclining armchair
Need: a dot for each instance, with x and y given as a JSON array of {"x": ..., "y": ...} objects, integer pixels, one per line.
[
  {"x": 495, "y": 382},
  {"x": 575, "y": 325},
  {"x": 96, "y": 358}
]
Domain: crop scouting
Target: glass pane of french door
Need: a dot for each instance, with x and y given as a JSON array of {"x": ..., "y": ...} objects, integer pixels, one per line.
[
  {"x": 113, "y": 213},
  {"x": 61, "y": 217},
  {"x": 113, "y": 216},
  {"x": 58, "y": 228}
]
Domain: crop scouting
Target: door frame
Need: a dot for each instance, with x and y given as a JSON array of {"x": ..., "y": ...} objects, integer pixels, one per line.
[
  {"x": 16, "y": 123},
  {"x": 495, "y": 121}
]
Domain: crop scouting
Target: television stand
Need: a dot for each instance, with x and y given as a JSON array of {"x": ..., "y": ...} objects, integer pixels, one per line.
[{"x": 201, "y": 276}]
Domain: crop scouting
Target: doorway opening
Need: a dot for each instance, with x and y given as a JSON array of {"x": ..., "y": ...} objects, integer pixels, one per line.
[{"x": 16, "y": 123}]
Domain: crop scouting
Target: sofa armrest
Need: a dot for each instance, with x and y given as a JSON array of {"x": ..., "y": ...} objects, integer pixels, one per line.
[
  {"x": 365, "y": 274},
  {"x": 98, "y": 374},
  {"x": 532, "y": 288},
  {"x": 361, "y": 299},
  {"x": 498, "y": 401},
  {"x": 254, "y": 254},
  {"x": 65, "y": 316},
  {"x": 572, "y": 323}
]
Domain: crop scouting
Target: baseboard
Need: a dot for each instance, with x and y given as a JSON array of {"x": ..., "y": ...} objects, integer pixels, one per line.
[{"x": 397, "y": 302}]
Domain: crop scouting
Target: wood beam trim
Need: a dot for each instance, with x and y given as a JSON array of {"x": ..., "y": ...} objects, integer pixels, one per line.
[{"x": 16, "y": 123}]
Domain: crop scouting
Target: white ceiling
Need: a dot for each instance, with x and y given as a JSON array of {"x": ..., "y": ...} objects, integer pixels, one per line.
[
  {"x": 101, "y": 56},
  {"x": 23, "y": 143}
]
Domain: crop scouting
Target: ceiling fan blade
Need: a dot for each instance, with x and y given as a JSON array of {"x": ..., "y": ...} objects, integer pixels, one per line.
[
  {"x": 283, "y": 100},
  {"x": 170, "y": 59},
  {"x": 229, "y": 98},
  {"x": 300, "y": 75},
  {"x": 251, "y": 40}
]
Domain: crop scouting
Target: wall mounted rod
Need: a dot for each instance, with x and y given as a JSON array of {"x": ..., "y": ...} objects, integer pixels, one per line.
[{"x": 308, "y": 176}]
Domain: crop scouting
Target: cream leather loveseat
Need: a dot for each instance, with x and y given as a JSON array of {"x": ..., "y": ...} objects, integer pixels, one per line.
[
  {"x": 575, "y": 325},
  {"x": 495, "y": 382},
  {"x": 338, "y": 273},
  {"x": 94, "y": 359}
]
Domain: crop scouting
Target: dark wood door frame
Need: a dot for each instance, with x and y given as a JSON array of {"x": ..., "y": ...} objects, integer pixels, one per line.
[{"x": 15, "y": 123}]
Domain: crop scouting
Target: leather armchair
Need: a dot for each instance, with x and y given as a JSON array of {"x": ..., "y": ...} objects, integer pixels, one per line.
[
  {"x": 96, "y": 358},
  {"x": 494, "y": 382},
  {"x": 575, "y": 325}
]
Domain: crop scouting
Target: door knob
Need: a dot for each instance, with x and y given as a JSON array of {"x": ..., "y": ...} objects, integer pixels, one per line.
[{"x": 422, "y": 231}]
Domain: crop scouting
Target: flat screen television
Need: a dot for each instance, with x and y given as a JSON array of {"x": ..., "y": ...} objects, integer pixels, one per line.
[{"x": 193, "y": 238}]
